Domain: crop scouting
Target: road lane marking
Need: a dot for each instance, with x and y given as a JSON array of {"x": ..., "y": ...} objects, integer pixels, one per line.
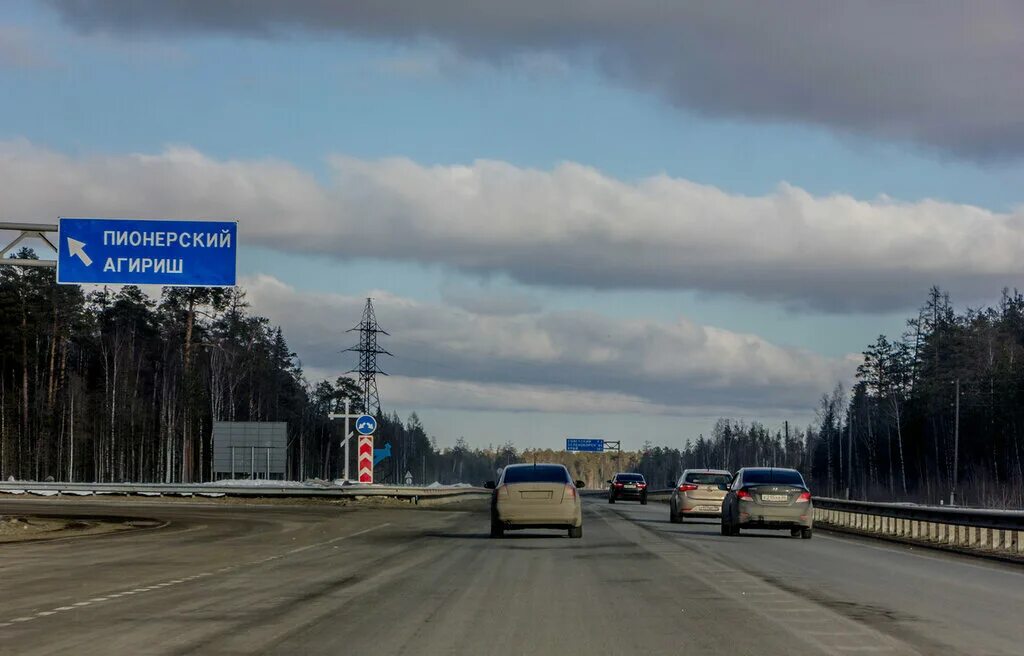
[{"x": 158, "y": 586}]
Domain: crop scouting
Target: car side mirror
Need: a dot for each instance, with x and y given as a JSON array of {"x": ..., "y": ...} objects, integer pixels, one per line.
[
  {"x": 580, "y": 484},
  {"x": 609, "y": 481},
  {"x": 490, "y": 485}
]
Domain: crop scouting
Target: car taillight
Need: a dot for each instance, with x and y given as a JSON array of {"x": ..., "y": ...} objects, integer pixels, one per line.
[
  {"x": 570, "y": 491},
  {"x": 641, "y": 484},
  {"x": 804, "y": 497},
  {"x": 743, "y": 495},
  {"x": 502, "y": 491},
  {"x": 687, "y": 487},
  {"x": 618, "y": 485}
]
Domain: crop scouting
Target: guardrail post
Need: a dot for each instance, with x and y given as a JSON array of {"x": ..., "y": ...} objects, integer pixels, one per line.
[
  {"x": 983, "y": 537},
  {"x": 1020, "y": 542},
  {"x": 997, "y": 539}
]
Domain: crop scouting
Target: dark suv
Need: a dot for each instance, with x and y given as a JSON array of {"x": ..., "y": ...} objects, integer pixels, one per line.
[{"x": 627, "y": 486}]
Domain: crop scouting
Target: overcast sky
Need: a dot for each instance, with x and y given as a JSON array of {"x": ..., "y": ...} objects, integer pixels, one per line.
[{"x": 583, "y": 218}]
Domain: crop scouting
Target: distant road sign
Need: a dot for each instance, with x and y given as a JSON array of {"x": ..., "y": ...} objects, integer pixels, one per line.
[
  {"x": 366, "y": 425},
  {"x": 584, "y": 444},
  {"x": 144, "y": 252}
]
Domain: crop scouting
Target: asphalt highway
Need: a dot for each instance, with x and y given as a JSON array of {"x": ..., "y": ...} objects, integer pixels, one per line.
[{"x": 319, "y": 579}]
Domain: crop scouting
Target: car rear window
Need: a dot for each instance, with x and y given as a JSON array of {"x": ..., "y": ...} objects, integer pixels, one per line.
[
  {"x": 537, "y": 474},
  {"x": 700, "y": 478},
  {"x": 773, "y": 476},
  {"x": 629, "y": 477}
]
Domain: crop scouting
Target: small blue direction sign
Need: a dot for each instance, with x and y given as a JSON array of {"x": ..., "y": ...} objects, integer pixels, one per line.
[
  {"x": 143, "y": 252},
  {"x": 366, "y": 425},
  {"x": 584, "y": 444}
]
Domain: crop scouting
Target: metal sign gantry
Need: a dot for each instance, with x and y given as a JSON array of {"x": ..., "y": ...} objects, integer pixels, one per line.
[{"x": 28, "y": 231}]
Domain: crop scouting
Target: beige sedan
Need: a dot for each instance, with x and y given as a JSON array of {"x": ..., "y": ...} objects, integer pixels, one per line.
[
  {"x": 536, "y": 496},
  {"x": 698, "y": 494}
]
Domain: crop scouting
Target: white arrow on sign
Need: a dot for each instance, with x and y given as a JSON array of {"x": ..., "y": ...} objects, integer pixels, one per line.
[{"x": 78, "y": 248}]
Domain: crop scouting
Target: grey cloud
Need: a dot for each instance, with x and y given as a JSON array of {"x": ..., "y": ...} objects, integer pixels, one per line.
[
  {"x": 627, "y": 364},
  {"x": 571, "y": 226},
  {"x": 944, "y": 74}
]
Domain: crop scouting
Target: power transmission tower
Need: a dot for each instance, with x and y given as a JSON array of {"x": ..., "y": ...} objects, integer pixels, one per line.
[{"x": 368, "y": 350}]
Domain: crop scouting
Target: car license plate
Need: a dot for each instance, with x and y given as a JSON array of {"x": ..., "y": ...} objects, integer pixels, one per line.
[
  {"x": 709, "y": 509},
  {"x": 774, "y": 497},
  {"x": 630, "y": 485}
]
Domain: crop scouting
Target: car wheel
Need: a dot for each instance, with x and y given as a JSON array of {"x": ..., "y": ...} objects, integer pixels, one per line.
[
  {"x": 575, "y": 531},
  {"x": 726, "y": 529},
  {"x": 805, "y": 534},
  {"x": 643, "y": 501},
  {"x": 611, "y": 499},
  {"x": 675, "y": 517},
  {"x": 794, "y": 532},
  {"x": 497, "y": 530}
]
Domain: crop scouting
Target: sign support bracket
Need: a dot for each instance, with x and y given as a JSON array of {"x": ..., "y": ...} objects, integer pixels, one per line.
[{"x": 27, "y": 231}]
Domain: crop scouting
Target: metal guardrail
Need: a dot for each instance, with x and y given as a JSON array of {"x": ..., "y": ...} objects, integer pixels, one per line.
[
  {"x": 990, "y": 531},
  {"x": 283, "y": 491},
  {"x": 981, "y": 518}
]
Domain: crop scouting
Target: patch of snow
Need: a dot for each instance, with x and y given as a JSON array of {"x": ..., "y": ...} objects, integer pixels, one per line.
[
  {"x": 44, "y": 493},
  {"x": 12, "y": 491},
  {"x": 215, "y": 495},
  {"x": 78, "y": 493},
  {"x": 259, "y": 482},
  {"x": 149, "y": 494}
]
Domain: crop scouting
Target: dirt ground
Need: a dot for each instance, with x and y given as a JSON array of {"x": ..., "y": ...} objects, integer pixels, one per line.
[{"x": 19, "y": 528}]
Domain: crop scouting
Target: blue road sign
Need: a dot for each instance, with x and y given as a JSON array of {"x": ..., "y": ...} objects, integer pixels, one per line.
[
  {"x": 366, "y": 424},
  {"x": 143, "y": 252},
  {"x": 584, "y": 444},
  {"x": 380, "y": 454}
]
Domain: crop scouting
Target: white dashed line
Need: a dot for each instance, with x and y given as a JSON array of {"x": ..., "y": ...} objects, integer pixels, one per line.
[{"x": 81, "y": 604}]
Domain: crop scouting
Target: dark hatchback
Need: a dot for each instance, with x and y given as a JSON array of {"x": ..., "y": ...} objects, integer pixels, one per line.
[{"x": 627, "y": 486}]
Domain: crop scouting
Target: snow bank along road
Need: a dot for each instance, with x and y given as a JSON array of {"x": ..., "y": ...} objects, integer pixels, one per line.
[{"x": 318, "y": 579}]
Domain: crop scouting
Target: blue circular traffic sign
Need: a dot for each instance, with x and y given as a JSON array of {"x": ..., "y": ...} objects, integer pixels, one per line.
[{"x": 366, "y": 425}]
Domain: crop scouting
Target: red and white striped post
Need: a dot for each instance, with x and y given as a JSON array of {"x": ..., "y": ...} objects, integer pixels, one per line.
[{"x": 366, "y": 458}]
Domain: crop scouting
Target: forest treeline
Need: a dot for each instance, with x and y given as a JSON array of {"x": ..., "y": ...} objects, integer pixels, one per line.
[
  {"x": 903, "y": 431},
  {"x": 119, "y": 386}
]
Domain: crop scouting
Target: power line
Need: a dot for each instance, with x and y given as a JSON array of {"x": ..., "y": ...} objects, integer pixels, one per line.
[{"x": 368, "y": 350}]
